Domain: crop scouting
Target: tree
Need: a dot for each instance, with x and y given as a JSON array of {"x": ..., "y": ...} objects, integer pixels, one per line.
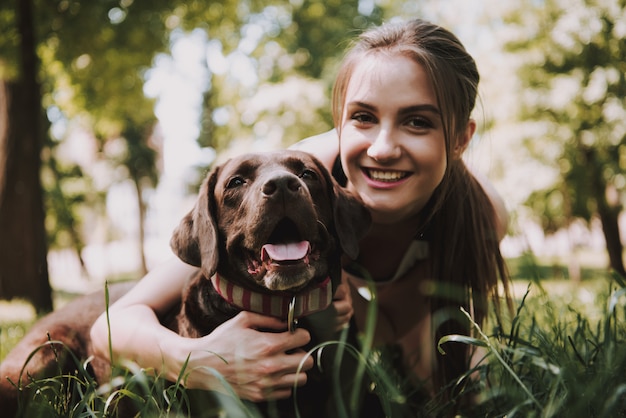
[
  {"x": 93, "y": 54},
  {"x": 23, "y": 251},
  {"x": 574, "y": 81},
  {"x": 140, "y": 160}
]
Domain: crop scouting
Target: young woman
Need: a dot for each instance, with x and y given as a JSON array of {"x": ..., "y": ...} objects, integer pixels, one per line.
[{"x": 401, "y": 104}]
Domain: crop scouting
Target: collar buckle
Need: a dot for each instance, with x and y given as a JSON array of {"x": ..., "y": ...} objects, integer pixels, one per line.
[{"x": 292, "y": 321}]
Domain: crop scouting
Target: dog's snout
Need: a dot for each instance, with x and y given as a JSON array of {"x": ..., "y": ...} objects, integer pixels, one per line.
[{"x": 287, "y": 184}]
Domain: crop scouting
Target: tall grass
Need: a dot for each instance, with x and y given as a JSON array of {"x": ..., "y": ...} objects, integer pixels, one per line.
[
  {"x": 555, "y": 360},
  {"x": 555, "y": 357}
]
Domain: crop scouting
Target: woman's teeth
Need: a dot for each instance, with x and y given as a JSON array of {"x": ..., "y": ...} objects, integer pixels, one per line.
[{"x": 386, "y": 176}]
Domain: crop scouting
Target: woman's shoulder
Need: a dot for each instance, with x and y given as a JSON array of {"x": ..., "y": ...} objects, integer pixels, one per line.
[
  {"x": 499, "y": 206},
  {"x": 325, "y": 147}
]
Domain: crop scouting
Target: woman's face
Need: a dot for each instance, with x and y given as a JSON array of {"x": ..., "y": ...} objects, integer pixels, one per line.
[{"x": 392, "y": 142}]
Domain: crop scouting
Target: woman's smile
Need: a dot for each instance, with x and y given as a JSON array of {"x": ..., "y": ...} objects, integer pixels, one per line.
[{"x": 384, "y": 178}]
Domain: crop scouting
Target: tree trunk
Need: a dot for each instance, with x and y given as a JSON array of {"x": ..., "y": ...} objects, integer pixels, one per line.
[
  {"x": 610, "y": 227},
  {"x": 608, "y": 213},
  {"x": 23, "y": 246}
]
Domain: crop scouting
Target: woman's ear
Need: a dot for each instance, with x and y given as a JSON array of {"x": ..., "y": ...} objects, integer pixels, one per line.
[{"x": 464, "y": 139}]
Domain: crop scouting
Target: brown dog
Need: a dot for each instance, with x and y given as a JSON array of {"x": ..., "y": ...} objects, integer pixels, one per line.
[{"x": 268, "y": 232}]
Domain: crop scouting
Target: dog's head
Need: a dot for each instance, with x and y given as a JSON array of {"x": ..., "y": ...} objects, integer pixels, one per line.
[{"x": 272, "y": 220}]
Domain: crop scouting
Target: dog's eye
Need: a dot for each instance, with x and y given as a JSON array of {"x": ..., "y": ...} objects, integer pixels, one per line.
[
  {"x": 235, "y": 182},
  {"x": 308, "y": 175}
]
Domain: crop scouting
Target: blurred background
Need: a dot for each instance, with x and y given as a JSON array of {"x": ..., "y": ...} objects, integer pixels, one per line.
[{"x": 111, "y": 113}]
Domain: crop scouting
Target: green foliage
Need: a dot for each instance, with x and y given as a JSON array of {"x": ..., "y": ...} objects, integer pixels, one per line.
[
  {"x": 67, "y": 190},
  {"x": 575, "y": 85},
  {"x": 574, "y": 81},
  {"x": 8, "y": 42},
  {"x": 323, "y": 30},
  {"x": 289, "y": 45},
  {"x": 557, "y": 361}
]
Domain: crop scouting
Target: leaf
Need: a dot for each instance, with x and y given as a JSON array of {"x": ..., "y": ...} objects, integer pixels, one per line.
[{"x": 464, "y": 339}]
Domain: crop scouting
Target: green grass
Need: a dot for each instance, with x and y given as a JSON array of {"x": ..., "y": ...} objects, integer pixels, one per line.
[
  {"x": 559, "y": 358},
  {"x": 562, "y": 353}
]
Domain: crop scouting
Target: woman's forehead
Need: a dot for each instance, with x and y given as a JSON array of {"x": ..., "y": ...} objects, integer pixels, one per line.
[{"x": 392, "y": 76}]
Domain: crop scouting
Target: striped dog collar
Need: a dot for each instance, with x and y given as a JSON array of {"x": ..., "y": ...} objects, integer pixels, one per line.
[{"x": 283, "y": 305}]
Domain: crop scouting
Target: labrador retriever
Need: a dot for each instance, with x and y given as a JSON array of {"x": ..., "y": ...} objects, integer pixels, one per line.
[{"x": 268, "y": 232}]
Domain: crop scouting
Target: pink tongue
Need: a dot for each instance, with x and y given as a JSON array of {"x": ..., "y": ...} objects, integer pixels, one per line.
[{"x": 283, "y": 252}]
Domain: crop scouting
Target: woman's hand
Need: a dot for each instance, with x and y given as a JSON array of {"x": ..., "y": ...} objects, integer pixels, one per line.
[
  {"x": 343, "y": 305},
  {"x": 258, "y": 365}
]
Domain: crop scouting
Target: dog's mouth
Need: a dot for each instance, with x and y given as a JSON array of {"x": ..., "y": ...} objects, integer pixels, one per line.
[
  {"x": 285, "y": 245},
  {"x": 283, "y": 258},
  {"x": 286, "y": 253}
]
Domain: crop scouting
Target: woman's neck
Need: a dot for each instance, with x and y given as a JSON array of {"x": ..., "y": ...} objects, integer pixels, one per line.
[
  {"x": 404, "y": 230},
  {"x": 383, "y": 248}
]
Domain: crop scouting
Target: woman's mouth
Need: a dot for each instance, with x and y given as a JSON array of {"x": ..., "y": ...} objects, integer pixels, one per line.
[{"x": 385, "y": 176}]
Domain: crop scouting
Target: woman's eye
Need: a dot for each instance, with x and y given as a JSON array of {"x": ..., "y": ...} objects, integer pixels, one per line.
[
  {"x": 235, "y": 182},
  {"x": 308, "y": 175},
  {"x": 363, "y": 117},
  {"x": 419, "y": 123}
]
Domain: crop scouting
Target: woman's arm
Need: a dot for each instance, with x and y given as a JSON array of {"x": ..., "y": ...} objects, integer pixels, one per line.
[
  {"x": 254, "y": 363},
  {"x": 134, "y": 327},
  {"x": 325, "y": 147}
]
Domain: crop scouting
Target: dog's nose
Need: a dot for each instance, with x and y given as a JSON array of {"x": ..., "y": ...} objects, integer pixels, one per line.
[{"x": 284, "y": 184}]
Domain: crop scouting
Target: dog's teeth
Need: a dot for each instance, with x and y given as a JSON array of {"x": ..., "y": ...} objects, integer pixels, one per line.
[{"x": 285, "y": 252}]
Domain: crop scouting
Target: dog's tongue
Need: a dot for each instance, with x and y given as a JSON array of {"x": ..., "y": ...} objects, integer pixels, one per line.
[{"x": 285, "y": 252}]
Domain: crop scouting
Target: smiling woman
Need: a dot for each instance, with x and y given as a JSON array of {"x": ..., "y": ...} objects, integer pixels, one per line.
[{"x": 401, "y": 108}]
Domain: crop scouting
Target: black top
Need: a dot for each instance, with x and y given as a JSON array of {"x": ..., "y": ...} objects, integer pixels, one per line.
[{"x": 338, "y": 173}]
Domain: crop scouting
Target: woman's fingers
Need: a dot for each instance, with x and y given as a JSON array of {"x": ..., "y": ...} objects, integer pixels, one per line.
[
  {"x": 274, "y": 386},
  {"x": 343, "y": 306},
  {"x": 272, "y": 342},
  {"x": 257, "y": 321},
  {"x": 258, "y": 358}
]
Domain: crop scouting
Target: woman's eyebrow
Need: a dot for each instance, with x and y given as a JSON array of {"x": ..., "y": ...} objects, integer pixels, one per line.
[
  {"x": 357, "y": 103},
  {"x": 427, "y": 107}
]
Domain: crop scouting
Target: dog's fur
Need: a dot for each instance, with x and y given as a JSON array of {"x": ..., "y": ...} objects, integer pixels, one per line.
[{"x": 243, "y": 205}]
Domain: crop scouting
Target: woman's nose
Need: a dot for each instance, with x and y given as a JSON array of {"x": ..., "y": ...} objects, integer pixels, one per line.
[{"x": 384, "y": 147}]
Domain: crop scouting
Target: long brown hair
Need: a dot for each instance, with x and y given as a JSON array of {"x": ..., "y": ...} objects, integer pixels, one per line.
[{"x": 460, "y": 219}]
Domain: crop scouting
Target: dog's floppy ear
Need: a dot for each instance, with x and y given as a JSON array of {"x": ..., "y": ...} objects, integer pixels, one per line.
[
  {"x": 195, "y": 239},
  {"x": 352, "y": 220}
]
